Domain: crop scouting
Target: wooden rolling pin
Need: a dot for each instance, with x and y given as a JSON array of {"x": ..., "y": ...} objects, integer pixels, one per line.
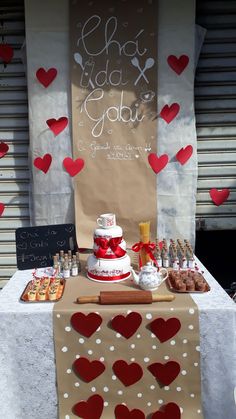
[{"x": 124, "y": 297}]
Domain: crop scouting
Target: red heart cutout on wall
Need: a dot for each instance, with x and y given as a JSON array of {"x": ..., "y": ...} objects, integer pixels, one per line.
[
  {"x": 127, "y": 325},
  {"x": 90, "y": 409},
  {"x": 184, "y": 154},
  {"x": 219, "y": 196},
  {"x": 88, "y": 370},
  {"x": 3, "y": 149},
  {"x": 122, "y": 412},
  {"x": 157, "y": 163},
  {"x": 165, "y": 329},
  {"x": 73, "y": 167},
  {"x": 57, "y": 125},
  {"x": 43, "y": 163},
  {"x": 84, "y": 324},
  {"x": 2, "y": 208},
  {"x": 168, "y": 113},
  {"x": 178, "y": 64},
  {"x": 128, "y": 374},
  {"x": 168, "y": 411},
  {"x": 6, "y": 53},
  {"x": 165, "y": 373},
  {"x": 46, "y": 77}
]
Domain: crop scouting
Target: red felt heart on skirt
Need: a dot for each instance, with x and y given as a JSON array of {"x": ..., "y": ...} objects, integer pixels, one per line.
[
  {"x": 88, "y": 370},
  {"x": 3, "y": 149},
  {"x": 157, "y": 163},
  {"x": 165, "y": 373},
  {"x": 43, "y": 163},
  {"x": 86, "y": 325},
  {"x": 178, "y": 64},
  {"x": 165, "y": 329},
  {"x": 128, "y": 374},
  {"x": 168, "y": 411},
  {"x": 57, "y": 125},
  {"x": 127, "y": 325},
  {"x": 6, "y": 53},
  {"x": 90, "y": 409},
  {"x": 2, "y": 208},
  {"x": 122, "y": 412},
  {"x": 73, "y": 167},
  {"x": 219, "y": 196},
  {"x": 46, "y": 77},
  {"x": 168, "y": 113},
  {"x": 184, "y": 154}
]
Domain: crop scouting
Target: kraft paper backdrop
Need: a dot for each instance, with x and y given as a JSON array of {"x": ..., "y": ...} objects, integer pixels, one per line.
[{"x": 114, "y": 114}]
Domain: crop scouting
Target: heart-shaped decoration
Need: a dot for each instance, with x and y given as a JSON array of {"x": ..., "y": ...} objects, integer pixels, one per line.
[
  {"x": 46, "y": 77},
  {"x": 178, "y": 64},
  {"x": 128, "y": 374},
  {"x": 127, "y": 325},
  {"x": 168, "y": 411},
  {"x": 184, "y": 154},
  {"x": 122, "y": 412},
  {"x": 157, "y": 163},
  {"x": 219, "y": 196},
  {"x": 165, "y": 373},
  {"x": 165, "y": 329},
  {"x": 43, "y": 163},
  {"x": 3, "y": 149},
  {"x": 88, "y": 370},
  {"x": 57, "y": 125},
  {"x": 168, "y": 113},
  {"x": 90, "y": 409},
  {"x": 2, "y": 208},
  {"x": 73, "y": 167},
  {"x": 84, "y": 324},
  {"x": 6, "y": 53}
]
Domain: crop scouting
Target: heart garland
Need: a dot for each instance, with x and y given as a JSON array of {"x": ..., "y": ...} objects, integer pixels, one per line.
[
  {"x": 2, "y": 208},
  {"x": 57, "y": 125},
  {"x": 128, "y": 325},
  {"x": 184, "y": 154},
  {"x": 165, "y": 373},
  {"x": 158, "y": 163},
  {"x": 219, "y": 196},
  {"x": 84, "y": 324},
  {"x": 178, "y": 64},
  {"x": 46, "y": 77},
  {"x": 90, "y": 409},
  {"x": 168, "y": 411},
  {"x": 73, "y": 167},
  {"x": 128, "y": 374},
  {"x": 168, "y": 113},
  {"x": 165, "y": 329},
  {"x": 3, "y": 149},
  {"x": 43, "y": 163},
  {"x": 122, "y": 412},
  {"x": 6, "y": 53},
  {"x": 88, "y": 370}
]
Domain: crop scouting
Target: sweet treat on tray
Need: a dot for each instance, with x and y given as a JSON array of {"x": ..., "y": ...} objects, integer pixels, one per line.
[
  {"x": 43, "y": 289},
  {"x": 109, "y": 262},
  {"x": 188, "y": 281}
]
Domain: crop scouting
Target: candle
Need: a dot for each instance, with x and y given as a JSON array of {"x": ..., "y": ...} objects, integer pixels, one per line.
[{"x": 144, "y": 228}]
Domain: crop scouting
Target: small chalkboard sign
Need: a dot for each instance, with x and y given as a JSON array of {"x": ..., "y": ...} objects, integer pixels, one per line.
[{"x": 36, "y": 246}]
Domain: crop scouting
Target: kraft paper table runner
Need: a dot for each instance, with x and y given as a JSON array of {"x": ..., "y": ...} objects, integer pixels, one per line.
[{"x": 143, "y": 348}]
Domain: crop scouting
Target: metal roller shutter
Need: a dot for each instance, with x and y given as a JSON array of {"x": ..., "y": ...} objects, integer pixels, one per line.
[
  {"x": 14, "y": 174},
  {"x": 215, "y": 106}
]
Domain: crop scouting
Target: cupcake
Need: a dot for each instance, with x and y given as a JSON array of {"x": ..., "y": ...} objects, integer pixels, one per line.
[
  {"x": 52, "y": 294},
  {"x": 190, "y": 285},
  {"x": 31, "y": 295},
  {"x": 42, "y": 294}
]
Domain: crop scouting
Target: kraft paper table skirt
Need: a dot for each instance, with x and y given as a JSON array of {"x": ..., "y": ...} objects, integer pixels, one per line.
[{"x": 27, "y": 362}]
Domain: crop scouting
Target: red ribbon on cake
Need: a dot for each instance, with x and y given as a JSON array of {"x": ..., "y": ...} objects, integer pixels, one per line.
[
  {"x": 148, "y": 247},
  {"x": 105, "y": 244}
]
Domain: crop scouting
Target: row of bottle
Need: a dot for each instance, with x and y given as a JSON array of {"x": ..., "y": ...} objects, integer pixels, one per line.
[
  {"x": 176, "y": 255},
  {"x": 67, "y": 264}
]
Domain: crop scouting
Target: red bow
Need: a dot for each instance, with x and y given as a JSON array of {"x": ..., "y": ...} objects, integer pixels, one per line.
[
  {"x": 105, "y": 244},
  {"x": 148, "y": 247}
]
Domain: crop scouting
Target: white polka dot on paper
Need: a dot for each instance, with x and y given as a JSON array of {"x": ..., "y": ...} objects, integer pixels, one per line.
[
  {"x": 152, "y": 335},
  {"x": 90, "y": 352},
  {"x": 138, "y": 336},
  {"x": 120, "y": 392},
  {"x": 97, "y": 312},
  {"x": 154, "y": 347},
  {"x": 98, "y": 329},
  {"x": 139, "y": 395},
  {"x": 172, "y": 309},
  {"x": 183, "y": 372},
  {"x": 185, "y": 340},
  {"x": 192, "y": 395},
  {"x": 106, "y": 389},
  {"x": 93, "y": 389},
  {"x": 172, "y": 342},
  {"x": 118, "y": 335},
  {"x": 191, "y": 327},
  {"x": 68, "y": 371},
  {"x": 198, "y": 348},
  {"x": 152, "y": 387},
  {"x": 160, "y": 401},
  {"x": 191, "y": 311},
  {"x": 67, "y": 328},
  {"x": 58, "y": 316},
  {"x": 102, "y": 359},
  {"x": 132, "y": 346},
  {"x": 67, "y": 417},
  {"x": 148, "y": 316},
  {"x": 113, "y": 377},
  {"x": 77, "y": 356},
  {"x": 77, "y": 384},
  {"x": 146, "y": 359},
  {"x": 166, "y": 388},
  {"x": 199, "y": 411},
  {"x": 98, "y": 341},
  {"x": 66, "y": 395},
  {"x": 64, "y": 349},
  {"x": 195, "y": 364},
  {"x": 105, "y": 404},
  {"x": 166, "y": 357},
  {"x": 149, "y": 404},
  {"x": 81, "y": 340},
  {"x": 129, "y": 311},
  {"x": 112, "y": 348},
  {"x": 185, "y": 355},
  {"x": 132, "y": 359},
  {"x": 178, "y": 388},
  {"x": 181, "y": 409}
]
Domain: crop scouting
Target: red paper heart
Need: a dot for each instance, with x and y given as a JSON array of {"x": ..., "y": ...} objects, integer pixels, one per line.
[
  {"x": 57, "y": 125},
  {"x": 168, "y": 411},
  {"x": 184, "y": 154},
  {"x": 122, "y": 412},
  {"x": 178, "y": 64},
  {"x": 127, "y": 325},
  {"x": 90, "y": 409},
  {"x": 86, "y": 325},
  {"x": 2, "y": 208},
  {"x": 88, "y": 370},
  {"x": 128, "y": 374},
  {"x": 168, "y": 113},
  {"x": 43, "y": 163},
  {"x": 219, "y": 196},
  {"x": 165, "y": 373},
  {"x": 165, "y": 329},
  {"x": 46, "y": 77},
  {"x": 6, "y": 53},
  {"x": 158, "y": 163},
  {"x": 73, "y": 167},
  {"x": 3, "y": 149}
]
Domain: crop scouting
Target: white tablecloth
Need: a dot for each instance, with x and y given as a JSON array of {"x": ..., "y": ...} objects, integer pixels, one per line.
[{"x": 27, "y": 366}]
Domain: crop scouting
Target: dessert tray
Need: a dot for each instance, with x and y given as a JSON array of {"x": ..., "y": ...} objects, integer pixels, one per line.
[
  {"x": 187, "y": 281},
  {"x": 43, "y": 290}
]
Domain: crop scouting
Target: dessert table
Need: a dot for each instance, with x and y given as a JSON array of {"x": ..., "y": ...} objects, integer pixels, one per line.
[{"x": 27, "y": 361}]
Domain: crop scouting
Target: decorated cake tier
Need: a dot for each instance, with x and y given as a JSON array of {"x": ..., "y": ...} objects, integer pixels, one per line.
[
  {"x": 108, "y": 270},
  {"x": 109, "y": 243}
]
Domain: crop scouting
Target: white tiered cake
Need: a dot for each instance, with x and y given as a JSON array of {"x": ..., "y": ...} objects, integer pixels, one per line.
[{"x": 109, "y": 262}]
